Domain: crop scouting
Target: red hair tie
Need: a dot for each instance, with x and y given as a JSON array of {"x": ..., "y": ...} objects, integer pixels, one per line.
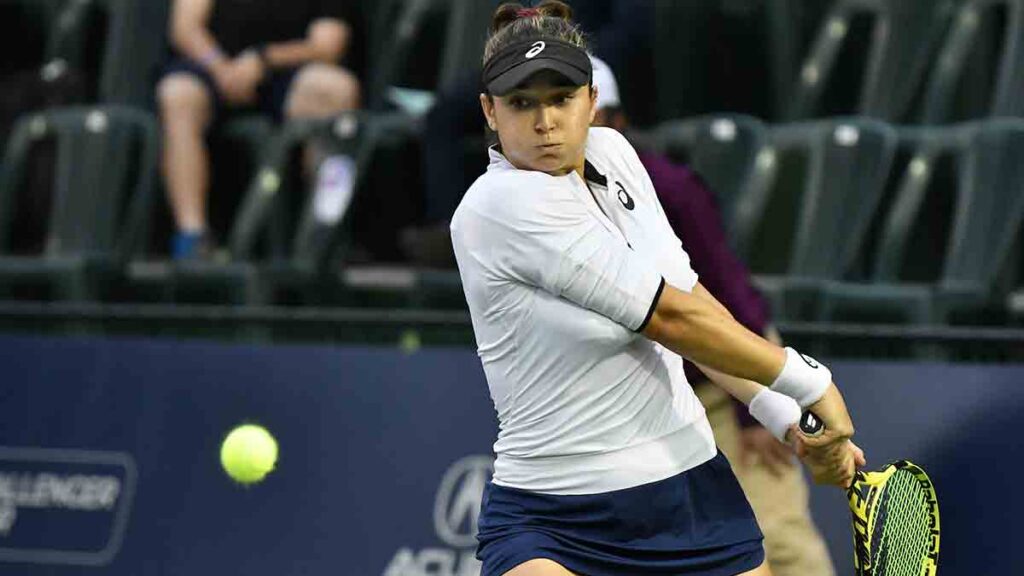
[{"x": 527, "y": 12}]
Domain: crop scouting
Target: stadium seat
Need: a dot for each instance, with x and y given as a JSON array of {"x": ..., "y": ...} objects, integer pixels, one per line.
[
  {"x": 869, "y": 58},
  {"x": 465, "y": 37},
  {"x": 738, "y": 56},
  {"x": 75, "y": 28},
  {"x": 119, "y": 42},
  {"x": 723, "y": 149},
  {"x": 29, "y": 25},
  {"x": 134, "y": 51},
  {"x": 393, "y": 29},
  {"x": 302, "y": 251},
  {"x": 822, "y": 183},
  {"x": 970, "y": 79},
  {"x": 251, "y": 131},
  {"x": 960, "y": 203},
  {"x": 421, "y": 47},
  {"x": 103, "y": 187}
]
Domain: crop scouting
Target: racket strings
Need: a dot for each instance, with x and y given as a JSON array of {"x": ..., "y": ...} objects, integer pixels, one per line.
[{"x": 903, "y": 520}]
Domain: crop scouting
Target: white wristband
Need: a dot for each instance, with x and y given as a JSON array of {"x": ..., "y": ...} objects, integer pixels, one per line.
[
  {"x": 776, "y": 412},
  {"x": 803, "y": 379}
]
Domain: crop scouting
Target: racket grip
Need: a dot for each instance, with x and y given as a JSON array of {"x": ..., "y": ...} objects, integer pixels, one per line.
[{"x": 811, "y": 425}]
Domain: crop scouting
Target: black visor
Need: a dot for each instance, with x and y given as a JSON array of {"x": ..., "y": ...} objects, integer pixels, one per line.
[{"x": 514, "y": 64}]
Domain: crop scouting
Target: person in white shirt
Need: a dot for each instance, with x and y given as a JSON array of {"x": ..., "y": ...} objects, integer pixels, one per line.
[{"x": 583, "y": 302}]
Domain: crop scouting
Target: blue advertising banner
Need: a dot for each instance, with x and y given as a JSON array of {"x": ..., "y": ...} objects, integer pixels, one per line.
[
  {"x": 70, "y": 506},
  {"x": 109, "y": 458}
]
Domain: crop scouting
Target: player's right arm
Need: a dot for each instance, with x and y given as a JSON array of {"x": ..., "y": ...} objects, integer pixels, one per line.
[{"x": 696, "y": 326}]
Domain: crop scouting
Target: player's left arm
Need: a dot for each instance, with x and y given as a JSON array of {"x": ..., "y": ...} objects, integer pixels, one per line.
[
  {"x": 820, "y": 459},
  {"x": 739, "y": 388}
]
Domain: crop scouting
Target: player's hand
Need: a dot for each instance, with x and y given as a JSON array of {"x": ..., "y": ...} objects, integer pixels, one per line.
[
  {"x": 831, "y": 409},
  {"x": 835, "y": 464},
  {"x": 830, "y": 456},
  {"x": 757, "y": 443}
]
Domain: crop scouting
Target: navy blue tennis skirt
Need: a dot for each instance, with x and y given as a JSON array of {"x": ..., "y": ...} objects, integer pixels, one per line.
[{"x": 696, "y": 523}]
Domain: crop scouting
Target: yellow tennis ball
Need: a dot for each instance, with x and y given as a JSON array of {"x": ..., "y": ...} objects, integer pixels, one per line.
[
  {"x": 410, "y": 341},
  {"x": 248, "y": 453}
]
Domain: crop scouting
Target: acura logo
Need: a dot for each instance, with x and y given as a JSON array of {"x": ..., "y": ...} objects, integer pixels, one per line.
[{"x": 457, "y": 505}]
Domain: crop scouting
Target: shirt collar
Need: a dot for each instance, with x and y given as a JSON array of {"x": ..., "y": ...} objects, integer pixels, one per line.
[
  {"x": 498, "y": 161},
  {"x": 591, "y": 174}
]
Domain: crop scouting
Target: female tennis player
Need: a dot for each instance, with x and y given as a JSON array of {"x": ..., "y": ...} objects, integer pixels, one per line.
[{"x": 583, "y": 303}]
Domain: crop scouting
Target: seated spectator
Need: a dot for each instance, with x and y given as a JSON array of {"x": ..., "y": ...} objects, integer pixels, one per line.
[{"x": 282, "y": 59}]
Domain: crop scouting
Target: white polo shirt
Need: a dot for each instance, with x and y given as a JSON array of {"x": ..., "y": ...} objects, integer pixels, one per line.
[{"x": 559, "y": 280}]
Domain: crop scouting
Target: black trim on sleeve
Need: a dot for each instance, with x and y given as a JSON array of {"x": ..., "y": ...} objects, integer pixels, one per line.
[{"x": 654, "y": 304}]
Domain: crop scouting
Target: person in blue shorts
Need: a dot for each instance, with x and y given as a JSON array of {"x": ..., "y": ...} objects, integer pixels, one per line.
[
  {"x": 583, "y": 305},
  {"x": 285, "y": 60}
]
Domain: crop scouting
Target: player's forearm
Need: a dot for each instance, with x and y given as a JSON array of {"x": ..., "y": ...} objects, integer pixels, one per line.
[
  {"x": 739, "y": 388},
  {"x": 697, "y": 329}
]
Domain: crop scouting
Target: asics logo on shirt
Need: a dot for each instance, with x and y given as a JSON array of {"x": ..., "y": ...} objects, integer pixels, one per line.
[
  {"x": 625, "y": 198},
  {"x": 537, "y": 48}
]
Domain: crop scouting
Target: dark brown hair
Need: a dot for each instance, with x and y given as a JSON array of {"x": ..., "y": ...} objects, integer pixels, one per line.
[{"x": 513, "y": 23}]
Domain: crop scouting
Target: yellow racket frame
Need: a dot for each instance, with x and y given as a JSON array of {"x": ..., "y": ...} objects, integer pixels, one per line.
[{"x": 864, "y": 500}]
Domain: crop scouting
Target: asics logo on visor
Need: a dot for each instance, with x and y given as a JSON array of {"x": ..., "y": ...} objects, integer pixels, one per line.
[{"x": 537, "y": 48}]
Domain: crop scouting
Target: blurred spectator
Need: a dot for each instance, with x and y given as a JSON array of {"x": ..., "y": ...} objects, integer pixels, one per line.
[
  {"x": 278, "y": 58},
  {"x": 766, "y": 469},
  {"x": 454, "y": 120},
  {"x": 622, "y": 33}
]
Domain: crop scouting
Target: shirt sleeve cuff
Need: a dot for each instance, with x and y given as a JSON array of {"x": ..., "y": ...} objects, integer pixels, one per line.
[{"x": 653, "y": 306}]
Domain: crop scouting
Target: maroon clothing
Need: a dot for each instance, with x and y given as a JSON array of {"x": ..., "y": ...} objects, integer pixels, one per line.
[{"x": 693, "y": 212}]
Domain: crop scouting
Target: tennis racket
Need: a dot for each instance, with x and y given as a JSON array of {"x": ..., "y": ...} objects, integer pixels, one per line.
[{"x": 895, "y": 517}]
